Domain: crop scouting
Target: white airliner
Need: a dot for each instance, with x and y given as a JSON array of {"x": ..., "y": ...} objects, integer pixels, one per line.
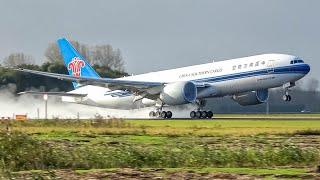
[{"x": 246, "y": 80}]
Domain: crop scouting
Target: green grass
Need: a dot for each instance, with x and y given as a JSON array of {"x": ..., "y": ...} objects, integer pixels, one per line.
[
  {"x": 225, "y": 127},
  {"x": 150, "y": 140},
  {"x": 177, "y": 144},
  {"x": 67, "y": 128}
]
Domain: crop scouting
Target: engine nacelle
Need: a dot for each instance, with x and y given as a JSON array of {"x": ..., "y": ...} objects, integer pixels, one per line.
[
  {"x": 179, "y": 93},
  {"x": 252, "y": 98}
]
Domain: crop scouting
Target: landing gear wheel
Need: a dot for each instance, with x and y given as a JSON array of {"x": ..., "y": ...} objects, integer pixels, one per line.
[
  {"x": 289, "y": 97},
  {"x": 193, "y": 114},
  {"x": 286, "y": 97},
  {"x": 169, "y": 114},
  {"x": 163, "y": 114},
  {"x": 209, "y": 114},
  {"x": 203, "y": 114},
  {"x": 198, "y": 114},
  {"x": 158, "y": 114},
  {"x": 152, "y": 114}
]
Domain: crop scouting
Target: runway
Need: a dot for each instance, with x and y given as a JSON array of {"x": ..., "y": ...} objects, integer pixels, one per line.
[{"x": 258, "y": 118}]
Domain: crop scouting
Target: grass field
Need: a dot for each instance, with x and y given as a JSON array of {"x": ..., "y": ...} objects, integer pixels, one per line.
[
  {"x": 179, "y": 127},
  {"x": 167, "y": 148}
]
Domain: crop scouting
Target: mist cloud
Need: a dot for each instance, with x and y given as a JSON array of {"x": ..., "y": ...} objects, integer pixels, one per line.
[{"x": 11, "y": 104}]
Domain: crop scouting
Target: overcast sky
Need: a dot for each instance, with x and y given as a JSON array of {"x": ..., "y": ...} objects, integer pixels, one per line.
[{"x": 156, "y": 35}]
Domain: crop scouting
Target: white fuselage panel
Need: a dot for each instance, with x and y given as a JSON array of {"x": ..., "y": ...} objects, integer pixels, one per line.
[{"x": 225, "y": 77}]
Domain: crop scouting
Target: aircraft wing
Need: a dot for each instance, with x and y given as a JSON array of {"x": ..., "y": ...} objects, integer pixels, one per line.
[
  {"x": 53, "y": 93},
  {"x": 136, "y": 86}
]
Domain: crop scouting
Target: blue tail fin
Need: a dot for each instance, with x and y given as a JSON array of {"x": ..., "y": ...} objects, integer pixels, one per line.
[{"x": 75, "y": 63}]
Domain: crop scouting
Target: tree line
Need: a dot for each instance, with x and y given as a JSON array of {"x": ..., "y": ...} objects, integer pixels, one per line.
[{"x": 106, "y": 60}]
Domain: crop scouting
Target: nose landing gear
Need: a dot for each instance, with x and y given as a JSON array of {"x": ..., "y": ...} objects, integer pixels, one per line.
[
  {"x": 287, "y": 86},
  {"x": 286, "y": 97}
]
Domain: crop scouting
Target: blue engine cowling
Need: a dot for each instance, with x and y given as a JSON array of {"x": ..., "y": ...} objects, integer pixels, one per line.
[{"x": 252, "y": 98}]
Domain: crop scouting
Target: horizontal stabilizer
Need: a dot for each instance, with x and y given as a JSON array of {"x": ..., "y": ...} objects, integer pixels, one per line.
[{"x": 53, "y": 93}]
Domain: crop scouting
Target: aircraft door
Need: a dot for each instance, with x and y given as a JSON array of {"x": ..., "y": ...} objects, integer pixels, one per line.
[{"x": 270, "y": 66}]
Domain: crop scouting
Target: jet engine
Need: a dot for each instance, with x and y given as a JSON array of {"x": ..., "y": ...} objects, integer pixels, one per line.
[
  {"x": 179, "y": 93},
  {"x": 252, "y": 98}
]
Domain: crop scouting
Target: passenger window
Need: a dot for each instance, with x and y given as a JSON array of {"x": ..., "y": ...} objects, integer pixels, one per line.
[
  {"x": 291, "y": 62},
  {"x": 257, "y": 63},
  {"x": 234, "y": 67},
  {"x": 245, "y": 65},
  {"x": 239, "y": 66},
  {"x": 251, "y": 64},
  {"x": 295, "y": 61}
]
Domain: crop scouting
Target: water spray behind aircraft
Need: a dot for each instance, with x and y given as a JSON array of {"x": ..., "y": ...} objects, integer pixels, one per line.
[{"x": 11, "y": 104}]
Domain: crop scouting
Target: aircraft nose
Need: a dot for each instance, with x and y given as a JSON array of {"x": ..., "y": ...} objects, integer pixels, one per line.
[{"x": 306, "y": 68}]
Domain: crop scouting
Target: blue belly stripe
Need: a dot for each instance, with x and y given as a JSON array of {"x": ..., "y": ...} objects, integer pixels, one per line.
[{"x": 294, "y": 69}]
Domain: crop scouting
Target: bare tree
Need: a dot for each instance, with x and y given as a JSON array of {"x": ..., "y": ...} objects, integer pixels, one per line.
[
  {"x": 102, "y": 55},
  {"x": 53, "y": 54},
  {"x": 105, "y": 55},
  {"x": 118, "y": 63},
  {"x": 83, "y": 49},
  {"x": 15, "y": 59}
]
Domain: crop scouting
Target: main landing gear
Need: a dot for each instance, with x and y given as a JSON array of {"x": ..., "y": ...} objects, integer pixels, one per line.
[
  {"x": 160, "y": 114},
  {"x": 199, "y": 114},
  {"x": 196, "y": 114}
]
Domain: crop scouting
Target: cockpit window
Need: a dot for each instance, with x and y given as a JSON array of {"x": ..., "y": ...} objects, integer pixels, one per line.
[{"x": 296, "y": 61}]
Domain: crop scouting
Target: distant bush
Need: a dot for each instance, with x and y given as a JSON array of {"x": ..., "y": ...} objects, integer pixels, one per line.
[{"x": 101, "y": 123}]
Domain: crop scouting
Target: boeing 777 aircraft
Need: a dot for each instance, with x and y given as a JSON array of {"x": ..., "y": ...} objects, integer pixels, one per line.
[{"x": 246, "y": 80}]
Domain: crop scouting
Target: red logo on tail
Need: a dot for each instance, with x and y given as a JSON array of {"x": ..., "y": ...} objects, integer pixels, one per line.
[{"x": 75, "y": 66}]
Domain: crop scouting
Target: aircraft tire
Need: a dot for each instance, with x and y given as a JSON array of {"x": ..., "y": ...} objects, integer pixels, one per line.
[
  {"x": 198, "y": 114},
  {"x": 152, "y": 114},
  {"x": 158, "y": 114},
  {"x": 169, "y": 114},
  {"x": 209, "y": 114},
  {"x": 203, "y": 114},
  {"x": 192, "y": 114},
  {"x": 163, "y": 114},
  {"x": 286, "y": 97},
  {"x": 289, "y": 97}
]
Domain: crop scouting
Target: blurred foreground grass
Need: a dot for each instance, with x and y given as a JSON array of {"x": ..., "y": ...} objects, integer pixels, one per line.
[{"x": 186, "y": 144}]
